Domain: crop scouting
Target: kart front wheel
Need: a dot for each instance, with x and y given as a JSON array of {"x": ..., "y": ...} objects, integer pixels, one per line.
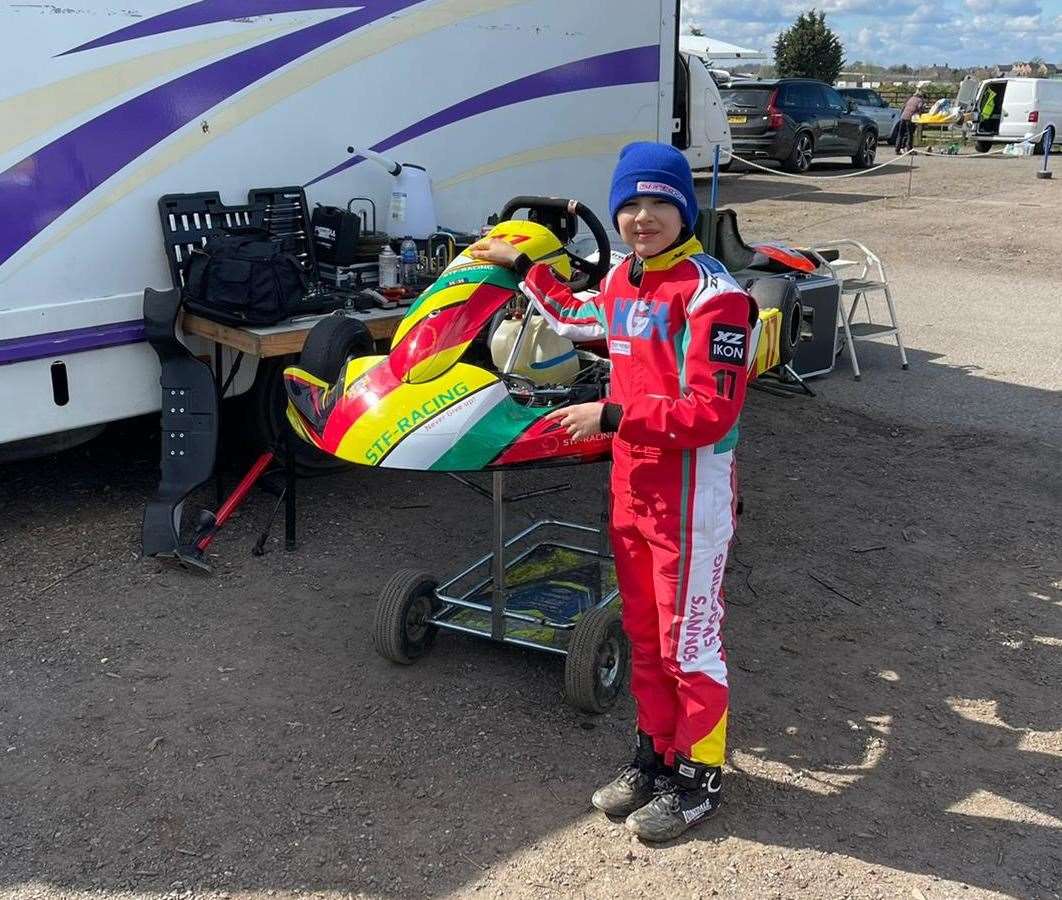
[
  {"x": 598, "y": 660},
  {"x": 401, "y": 630}
]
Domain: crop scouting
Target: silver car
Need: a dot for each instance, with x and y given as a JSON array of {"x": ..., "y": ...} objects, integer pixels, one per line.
[{"x": 870, "y": 103}]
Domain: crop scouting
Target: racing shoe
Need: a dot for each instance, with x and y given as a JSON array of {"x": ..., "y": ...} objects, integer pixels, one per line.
[
  {"x": 632, "y": 788},
  {"x": 686, "y": 797}
]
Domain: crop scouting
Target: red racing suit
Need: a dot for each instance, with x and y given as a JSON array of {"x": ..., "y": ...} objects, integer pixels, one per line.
[{"x": 682, "y": 341}]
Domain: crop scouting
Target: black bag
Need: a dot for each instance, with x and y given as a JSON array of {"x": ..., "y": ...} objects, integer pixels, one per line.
[{"x": 243, "y": 278}]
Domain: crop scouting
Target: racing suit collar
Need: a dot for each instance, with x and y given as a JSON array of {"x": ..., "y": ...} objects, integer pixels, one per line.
[{"x": 673, "y": 256}]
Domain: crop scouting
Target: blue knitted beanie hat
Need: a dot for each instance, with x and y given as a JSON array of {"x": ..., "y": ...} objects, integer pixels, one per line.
[{"x": 646, "y": 168}]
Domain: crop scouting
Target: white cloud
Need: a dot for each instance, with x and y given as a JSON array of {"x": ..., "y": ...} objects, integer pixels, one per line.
[
  {"x": 959, "y": 32},
  {"x": 1013, "y": 7}
]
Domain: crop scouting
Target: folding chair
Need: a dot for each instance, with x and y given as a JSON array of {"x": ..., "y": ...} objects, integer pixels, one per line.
[{"x": 870, "y": 279}]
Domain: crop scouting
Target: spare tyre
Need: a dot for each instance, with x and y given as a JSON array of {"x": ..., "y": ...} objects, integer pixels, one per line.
[
  {"x": 779, "y": 292},
  {"x": 331, "y": 342}
]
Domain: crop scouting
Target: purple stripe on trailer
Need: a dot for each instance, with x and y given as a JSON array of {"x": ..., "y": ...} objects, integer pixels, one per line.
[
  {"x": 77, "y": 340},
  {"x": 635, "y": 66},
  {"x": 207, "y": 12},
  {"x": 37, "y": 190}
]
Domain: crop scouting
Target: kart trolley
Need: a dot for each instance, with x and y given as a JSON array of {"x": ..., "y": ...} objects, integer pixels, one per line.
[
  {"x": 550, "y": 587},
  {"x": 553, "y": 594}
]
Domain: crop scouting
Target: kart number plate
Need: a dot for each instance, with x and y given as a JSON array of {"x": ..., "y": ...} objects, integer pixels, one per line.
[{"x": 737, "y": 120}]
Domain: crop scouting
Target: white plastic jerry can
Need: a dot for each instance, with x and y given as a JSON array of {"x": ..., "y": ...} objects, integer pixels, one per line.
[
  {"x": 412, "y": 209},
  {"x": 412, "y": 204}
]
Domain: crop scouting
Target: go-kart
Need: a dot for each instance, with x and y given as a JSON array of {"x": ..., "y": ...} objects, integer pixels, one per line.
[
  {"x": 422, "y": 407},
  {"x": 471, "y": 373}
]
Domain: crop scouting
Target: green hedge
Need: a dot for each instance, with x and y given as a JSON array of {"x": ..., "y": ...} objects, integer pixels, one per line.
[{"x": 897, "y": 96}]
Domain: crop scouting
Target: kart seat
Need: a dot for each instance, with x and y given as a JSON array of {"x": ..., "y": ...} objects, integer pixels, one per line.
[
  {"x": 728, "y": 246},
  {"x": 731, "y": 250}
]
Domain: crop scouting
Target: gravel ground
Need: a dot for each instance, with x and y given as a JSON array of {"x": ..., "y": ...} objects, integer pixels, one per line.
[{"x": 894, "y": 633}]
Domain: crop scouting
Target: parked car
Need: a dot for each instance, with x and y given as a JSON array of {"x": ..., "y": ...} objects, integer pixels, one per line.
[
  {"x": 797, "y": 120},
  {"x": 1009, "y": 110},
  {"x": 870, "y": 103}
]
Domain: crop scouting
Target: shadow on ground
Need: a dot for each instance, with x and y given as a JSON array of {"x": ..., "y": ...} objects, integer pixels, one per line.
[{"x": 894, "y": 647}]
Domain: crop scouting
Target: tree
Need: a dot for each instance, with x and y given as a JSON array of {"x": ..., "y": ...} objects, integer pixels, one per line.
[{"x": 809, "y": 49}]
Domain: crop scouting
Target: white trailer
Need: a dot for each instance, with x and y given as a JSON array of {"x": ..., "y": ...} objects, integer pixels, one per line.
[{"x": 102, "y": 111}]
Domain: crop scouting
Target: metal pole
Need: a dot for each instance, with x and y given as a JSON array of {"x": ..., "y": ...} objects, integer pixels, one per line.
[
  {"x": 289, "y": 486},
  {"x": 715, "y": 178},
  {"x": 713, "y": 197},
  {"x": 497, "y": 597},
  {"x": 1048, "y": 140}
]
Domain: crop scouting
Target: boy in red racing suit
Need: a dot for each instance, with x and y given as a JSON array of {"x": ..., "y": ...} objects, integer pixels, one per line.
[{"x": 682, "y": 337}]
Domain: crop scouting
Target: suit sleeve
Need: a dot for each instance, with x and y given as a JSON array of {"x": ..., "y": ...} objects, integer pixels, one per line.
[
  {"x": 570, "y": 316},
  {"x": 715, "y": 351}
]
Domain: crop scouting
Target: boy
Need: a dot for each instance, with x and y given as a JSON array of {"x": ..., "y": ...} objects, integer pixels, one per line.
[{"x": 681, "y": 336}]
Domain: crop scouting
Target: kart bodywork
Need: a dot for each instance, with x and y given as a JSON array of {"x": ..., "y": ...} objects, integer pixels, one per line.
[{"x": 422, "y": 408}]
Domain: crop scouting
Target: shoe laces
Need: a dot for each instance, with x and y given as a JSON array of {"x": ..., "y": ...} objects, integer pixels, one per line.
[
  {"x": 666, "y": 793},
  {"x": 631, "y": 773}
]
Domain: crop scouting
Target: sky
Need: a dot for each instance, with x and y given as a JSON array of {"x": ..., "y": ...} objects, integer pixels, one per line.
[{"x": 887, "y": 32}]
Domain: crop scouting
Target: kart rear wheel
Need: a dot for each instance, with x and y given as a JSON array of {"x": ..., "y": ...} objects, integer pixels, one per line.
[
  {"x": 781, "y": 294},
  {"x": 401, "y": 631},
  {"x": 598, "y": 660}
]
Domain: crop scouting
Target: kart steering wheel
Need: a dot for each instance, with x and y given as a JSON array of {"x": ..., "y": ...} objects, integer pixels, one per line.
[{"x": 559, "y": 216}]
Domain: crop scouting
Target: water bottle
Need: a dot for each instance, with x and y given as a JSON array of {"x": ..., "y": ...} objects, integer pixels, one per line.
[{"x": 408, "y": 253}]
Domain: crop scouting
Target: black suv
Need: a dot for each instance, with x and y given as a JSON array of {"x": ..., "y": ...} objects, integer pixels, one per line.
[{"x": 795, "y": 120}]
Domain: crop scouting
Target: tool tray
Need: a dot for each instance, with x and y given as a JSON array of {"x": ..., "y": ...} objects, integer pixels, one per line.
[
  {"x": 287, "y": 218},
  {"x": 190, "y": 220}
]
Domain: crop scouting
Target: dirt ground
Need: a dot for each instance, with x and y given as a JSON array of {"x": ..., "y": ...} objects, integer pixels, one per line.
[{"x": 894, "y": 633}]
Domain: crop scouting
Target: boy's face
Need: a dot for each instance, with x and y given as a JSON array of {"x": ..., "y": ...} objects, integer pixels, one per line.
[{"x": 649, "y": 225}]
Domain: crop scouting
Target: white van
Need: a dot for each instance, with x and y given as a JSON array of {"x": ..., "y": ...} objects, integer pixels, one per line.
[
  {"x": 1008, "y": 110},
  {"x": 104, "y": 112}
]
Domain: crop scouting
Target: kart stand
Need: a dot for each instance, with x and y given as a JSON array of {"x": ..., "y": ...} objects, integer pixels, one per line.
[{"x": 550, "y": 587}]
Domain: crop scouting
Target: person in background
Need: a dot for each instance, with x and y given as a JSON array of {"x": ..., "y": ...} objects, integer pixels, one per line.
[{"x": 915, "y": 105}]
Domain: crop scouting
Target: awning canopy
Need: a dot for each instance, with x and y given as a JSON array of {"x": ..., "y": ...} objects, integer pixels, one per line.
[{"x": 712, "y": 49}]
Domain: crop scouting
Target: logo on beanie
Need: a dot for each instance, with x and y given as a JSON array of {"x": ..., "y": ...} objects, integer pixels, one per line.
[{"x": 658, "y": 187}]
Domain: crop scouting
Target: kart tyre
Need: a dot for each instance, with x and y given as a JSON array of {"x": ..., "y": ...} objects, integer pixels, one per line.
[
  {"x": 982, "y": 146},
  {"x": 781, "y": 293},
  {"x": 598, "y": 661},
  {"x": 263, "y": 419},
  {"x": 331, "y": 342},
  {"x": 400, "y": 631}
]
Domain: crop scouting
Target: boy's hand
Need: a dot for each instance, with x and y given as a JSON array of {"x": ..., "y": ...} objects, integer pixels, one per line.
[
  {"x": 494, "y": 250},
  {"x": 581, "y": 421}
]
